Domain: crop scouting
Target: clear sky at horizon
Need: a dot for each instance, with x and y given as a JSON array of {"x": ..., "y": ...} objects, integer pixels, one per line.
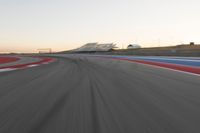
[{"x": 26, "y": 25}]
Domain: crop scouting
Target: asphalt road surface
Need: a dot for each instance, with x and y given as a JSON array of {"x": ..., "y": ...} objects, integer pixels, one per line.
[{"x": 94, "y": 95}]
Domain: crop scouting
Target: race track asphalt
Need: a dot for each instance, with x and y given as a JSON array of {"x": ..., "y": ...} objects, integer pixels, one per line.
[{"x": 93, "y": 95}]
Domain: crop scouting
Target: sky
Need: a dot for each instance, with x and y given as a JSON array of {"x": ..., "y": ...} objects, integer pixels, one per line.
[{"x": 28, "y": 25}]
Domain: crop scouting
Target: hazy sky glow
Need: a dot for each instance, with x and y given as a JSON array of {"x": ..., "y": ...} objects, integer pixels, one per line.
[{"x": 26, "y": 25}]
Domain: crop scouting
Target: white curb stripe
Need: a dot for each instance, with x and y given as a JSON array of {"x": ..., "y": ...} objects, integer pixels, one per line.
[{"x": 7, "y": 69}]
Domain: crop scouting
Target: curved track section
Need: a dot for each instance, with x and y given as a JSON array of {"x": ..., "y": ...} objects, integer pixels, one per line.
[
  {"x": 89, "y": 95},
  {"x": 190, "y": 65},
  {"x": 25, "y": 62}
]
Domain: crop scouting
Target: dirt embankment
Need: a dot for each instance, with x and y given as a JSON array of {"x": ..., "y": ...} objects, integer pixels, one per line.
[{"x": 181, "y": 50}]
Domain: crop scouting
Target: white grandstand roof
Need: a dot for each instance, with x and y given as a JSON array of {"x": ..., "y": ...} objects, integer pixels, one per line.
[{"x": 95, "y": 47}]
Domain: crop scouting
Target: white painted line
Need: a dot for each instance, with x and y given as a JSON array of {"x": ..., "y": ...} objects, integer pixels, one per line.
[
  {"x": 7, "y": 69},
  {"x": 26, "y": 66},
  {"x": 151, "y": 57},
  {"x": 160, "y": 58},
  {"x": 32, "y": 65}
]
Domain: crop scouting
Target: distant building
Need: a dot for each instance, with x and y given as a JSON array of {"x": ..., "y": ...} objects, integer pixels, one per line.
[
  {"x": 191, "y": 43},
  {"x": 133, "y": 46}
]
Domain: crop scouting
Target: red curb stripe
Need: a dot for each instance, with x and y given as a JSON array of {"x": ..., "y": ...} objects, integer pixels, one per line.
[
  {"x": 44, "y": 60},
  {"x": 4, "y": 60},
  {"x": 195, "y": 70}
]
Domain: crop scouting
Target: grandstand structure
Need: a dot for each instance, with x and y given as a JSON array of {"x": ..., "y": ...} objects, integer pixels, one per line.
[{"x": 95, "y": 47}]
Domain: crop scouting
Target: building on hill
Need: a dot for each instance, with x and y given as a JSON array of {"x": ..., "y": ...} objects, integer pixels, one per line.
[
  {"x": 190, "y": 44},
  {"x": 133, "y": 46}
]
